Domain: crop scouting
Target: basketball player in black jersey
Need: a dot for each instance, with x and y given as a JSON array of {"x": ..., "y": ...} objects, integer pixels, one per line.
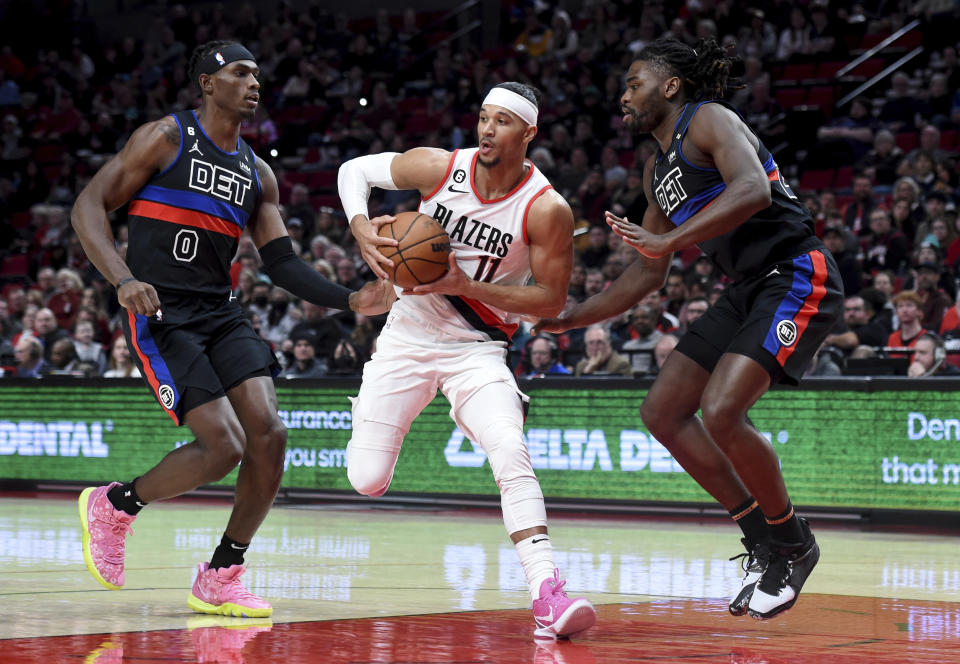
[
  {"x": 714, "y": 184},
  {"x": 193, "y": 187}
]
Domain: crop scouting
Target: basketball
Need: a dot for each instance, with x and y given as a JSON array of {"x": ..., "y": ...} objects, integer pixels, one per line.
[{"x": 422, "y": 254}]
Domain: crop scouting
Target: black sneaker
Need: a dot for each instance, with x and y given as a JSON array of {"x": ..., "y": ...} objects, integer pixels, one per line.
[
  {"x": 753, "y": 563},
  {"x": 787, "y": 570}
]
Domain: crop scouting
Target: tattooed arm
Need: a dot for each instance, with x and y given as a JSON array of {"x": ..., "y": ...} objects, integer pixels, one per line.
[{"x": 150, "y": 149}]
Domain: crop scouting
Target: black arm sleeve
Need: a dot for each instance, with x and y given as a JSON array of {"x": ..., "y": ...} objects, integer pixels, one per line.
[{"x": 289, "y": 272}]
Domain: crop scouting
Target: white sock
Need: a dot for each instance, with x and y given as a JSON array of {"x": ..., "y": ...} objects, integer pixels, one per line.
[{"x": 536, "y": 556}]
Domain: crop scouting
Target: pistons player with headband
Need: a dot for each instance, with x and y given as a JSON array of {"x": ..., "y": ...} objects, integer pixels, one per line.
[
  {"x": 193, "y": 187},
  {"x": 713, "y": 183},
  {"x": 511, "y": 254}
]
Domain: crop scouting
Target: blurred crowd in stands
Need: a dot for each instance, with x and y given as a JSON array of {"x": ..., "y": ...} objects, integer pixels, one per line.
[{"x": 878, "y": 171}]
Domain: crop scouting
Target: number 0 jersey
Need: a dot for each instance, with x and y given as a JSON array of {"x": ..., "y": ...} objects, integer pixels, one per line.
[
  {"x": 186, "y": 221},
  {"x": 782, "y": 230},
  {"x": 489, "y": 238}
]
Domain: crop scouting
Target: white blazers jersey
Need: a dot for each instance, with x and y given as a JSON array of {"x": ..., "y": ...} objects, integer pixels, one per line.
[{"x": 490, "y": 240}]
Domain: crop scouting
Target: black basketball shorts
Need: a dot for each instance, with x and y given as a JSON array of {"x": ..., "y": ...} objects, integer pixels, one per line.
[
  {"x": 778, "y": 318},
  {"x": 195, "y": 351}
]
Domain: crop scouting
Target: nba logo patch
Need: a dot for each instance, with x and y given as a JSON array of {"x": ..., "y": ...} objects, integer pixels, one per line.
[{"x": 220, "y": 59}]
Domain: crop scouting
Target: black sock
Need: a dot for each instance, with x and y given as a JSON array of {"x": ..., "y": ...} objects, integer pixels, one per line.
[
  {"x": 124, "y": 497},
  {"x": 230, "y": 552},
  {"x": 785, "y": 527},
  {"x": 750, "y": 518}
]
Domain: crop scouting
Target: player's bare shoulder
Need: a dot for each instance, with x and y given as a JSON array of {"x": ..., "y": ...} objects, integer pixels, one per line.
[
  {"x": 420, "y": 168},
  {"x": 549, "y": 216},
  {"x": 156, "y": 142}
]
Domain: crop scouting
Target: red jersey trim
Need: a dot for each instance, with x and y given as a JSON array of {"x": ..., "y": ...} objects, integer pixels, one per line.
[
  {"x": 184, "y": 217},
  {"x": 453, "y": 157},
  {"x": 148, "y": 371},
  {"x": 526, "y": 211},
  {"x": 473, "y": 169}
]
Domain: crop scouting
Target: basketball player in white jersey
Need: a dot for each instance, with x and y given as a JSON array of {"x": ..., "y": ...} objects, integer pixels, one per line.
[{"x": 506, "y": 225}]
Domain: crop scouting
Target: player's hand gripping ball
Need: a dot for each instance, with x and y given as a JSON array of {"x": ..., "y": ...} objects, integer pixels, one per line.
[{"x": 422, "y": 254}]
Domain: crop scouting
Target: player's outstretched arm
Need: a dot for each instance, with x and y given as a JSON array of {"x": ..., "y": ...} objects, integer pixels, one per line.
[
  {"x": 290, "y": 272},
  {"x": 151, "y": 147},
  {"x": 420, "y": 168},
  {"x": 641, "y": 277},
  {"x": 718, "y": 135}
]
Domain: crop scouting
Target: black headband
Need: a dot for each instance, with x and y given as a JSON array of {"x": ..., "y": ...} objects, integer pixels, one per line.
[{"x": 214, "y": 61}]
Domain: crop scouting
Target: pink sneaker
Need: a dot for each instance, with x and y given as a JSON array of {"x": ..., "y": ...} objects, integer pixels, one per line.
[
  {"x": 104, "y": 533},
  {"x": 219, "y": 592},
  {"x": 556, "y": 615}
]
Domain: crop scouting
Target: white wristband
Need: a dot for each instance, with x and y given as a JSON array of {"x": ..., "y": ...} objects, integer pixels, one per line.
[{"x": 357, "y": 176}]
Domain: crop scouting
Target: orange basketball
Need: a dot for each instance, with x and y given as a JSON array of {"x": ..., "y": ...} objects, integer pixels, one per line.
[{"x": 422, "y": 254}]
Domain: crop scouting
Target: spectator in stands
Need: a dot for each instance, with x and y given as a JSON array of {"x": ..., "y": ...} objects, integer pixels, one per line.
[
  {"x": 542, "y": 352},
  {"x": 121, "y": 364},
  {"x": 847, "y": 138},
  {"x": 863, "y": 324},
  {"x": 63, "y": 357},
  {"x": 757, "y": 39},
  {"x": 935, "y": 300},
  {"x": 347, "y": 274},
  {"x": 901, "y": 111},
  {"x": 601, "y": 359},
  {"x": 594, "y": 282},
  {"x": 306, "y": 364},
  {"x": 565, "y": 41},
  {"x": 300, "y": 207},
  {"x": 644, "y": 337},
  {"x": 29, "y": 355},
  {"x": 88, "y": 350},
  {"x": 595, "y": 255},
  {"x": 881, "y": 163},
  {"x": 856, "y": 216},
  {"x": 281, "y": 317},
  {"x": 693, "y": 308},
  {"x": 65, "y": 301},
  {"x": 923, "y": 172},
  {"x": 934, "y": 207},
  {"x": 327, "y": 332},
  {"x": 346, "y": 360},
  {"x": 795, "y": 39},
  {"x": 47, "y": 331},
  {"x": 909, "y": 306},
  {"x": 578, "y": 279},
  {"x": 850, "y": 268},
  {"x": 676, "y": 292},
  {"x": 824, "y": 41},
  {"x": 763, "y": 112},
  {"x": 930, "y": 358},
  {"x": 885, "y": 247},
  {"x": 884, "y": 281}
]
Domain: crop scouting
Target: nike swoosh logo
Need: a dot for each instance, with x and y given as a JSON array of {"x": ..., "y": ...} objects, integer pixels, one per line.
[
  {"x": 238, "y": 548},
  {"x": 139, "y": 504},
  {"x": 537, "y": 541},
  {"x": 546, "y": 618},
  {"x": 456, "y": 191}
]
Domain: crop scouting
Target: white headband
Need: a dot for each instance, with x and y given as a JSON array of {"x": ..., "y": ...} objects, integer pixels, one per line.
[{"x": 519, "y": 105}]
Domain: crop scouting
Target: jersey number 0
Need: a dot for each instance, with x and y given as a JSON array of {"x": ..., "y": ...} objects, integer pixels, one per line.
[{"x": 185, "y": 245}]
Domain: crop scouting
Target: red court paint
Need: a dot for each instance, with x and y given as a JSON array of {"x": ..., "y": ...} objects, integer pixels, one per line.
[{"x": 821, "y": 629}]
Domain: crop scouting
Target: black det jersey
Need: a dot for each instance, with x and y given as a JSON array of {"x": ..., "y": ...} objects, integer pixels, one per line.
[
  {"x": 185, "y": 222},
  {"x": 781, "y": 231}
]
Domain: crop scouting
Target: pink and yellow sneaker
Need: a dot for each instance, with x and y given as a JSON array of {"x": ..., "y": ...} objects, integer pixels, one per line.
[
  {"x": 219, "y": 592},
  {"x": 104, "y": 533},
  {"x": 556, "y": 615}
]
